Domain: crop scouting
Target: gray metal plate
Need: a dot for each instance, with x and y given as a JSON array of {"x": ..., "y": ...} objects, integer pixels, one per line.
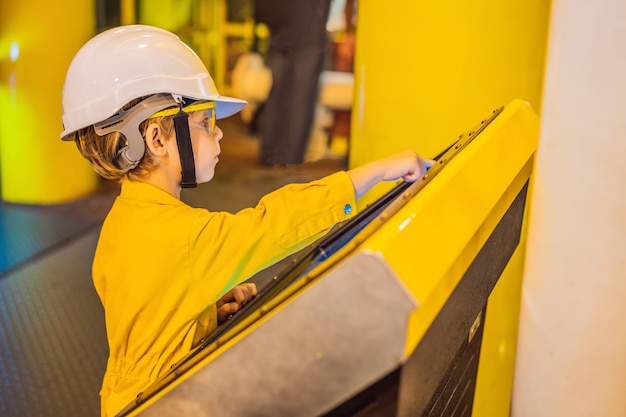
[{"x": 340, "y": 335}]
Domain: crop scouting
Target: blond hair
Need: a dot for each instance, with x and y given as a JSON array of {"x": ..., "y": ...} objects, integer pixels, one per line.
[{"x": 103, "y": 152}]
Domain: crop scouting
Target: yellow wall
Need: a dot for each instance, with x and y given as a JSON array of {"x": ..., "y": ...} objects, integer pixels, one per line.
[
  {"x": 426, "y": 72},
  {"x": 35, "y": 166}
]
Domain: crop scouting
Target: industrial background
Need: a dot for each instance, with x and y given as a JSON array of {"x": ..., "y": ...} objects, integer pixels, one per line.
[{"x": 423, "y": 73}]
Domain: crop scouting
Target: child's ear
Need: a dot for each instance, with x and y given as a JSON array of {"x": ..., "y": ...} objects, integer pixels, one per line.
[{"x": 155, "y": 140}]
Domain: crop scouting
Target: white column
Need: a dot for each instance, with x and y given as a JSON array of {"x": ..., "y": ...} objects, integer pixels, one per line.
[{"x": 571, "y": 357}]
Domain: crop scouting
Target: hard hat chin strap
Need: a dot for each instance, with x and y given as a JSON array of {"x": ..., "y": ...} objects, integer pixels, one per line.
[{"x": 185, "y": 148}]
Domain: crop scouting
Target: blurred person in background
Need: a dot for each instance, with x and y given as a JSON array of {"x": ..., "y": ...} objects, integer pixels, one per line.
[{"x": 298, "y": 47}]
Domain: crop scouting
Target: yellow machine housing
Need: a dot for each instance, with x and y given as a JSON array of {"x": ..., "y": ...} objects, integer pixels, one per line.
[{"x": 385, "y": 315}]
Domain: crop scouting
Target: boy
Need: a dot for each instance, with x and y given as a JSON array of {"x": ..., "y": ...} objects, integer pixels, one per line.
[{"x": 141, "y": 107}]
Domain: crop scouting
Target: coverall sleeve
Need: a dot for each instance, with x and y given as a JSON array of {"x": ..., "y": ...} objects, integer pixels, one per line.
[{"x": 227, "y": 249}]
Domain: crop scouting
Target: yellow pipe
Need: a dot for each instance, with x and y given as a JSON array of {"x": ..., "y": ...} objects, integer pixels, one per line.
[
  {"x": 571, "y": 359},
  {"x": 128, "y": 12},
  {"x": 35, "y": 166}
]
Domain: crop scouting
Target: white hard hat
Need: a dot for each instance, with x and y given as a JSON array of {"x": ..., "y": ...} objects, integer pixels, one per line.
[{"x": 128, "y": 62}]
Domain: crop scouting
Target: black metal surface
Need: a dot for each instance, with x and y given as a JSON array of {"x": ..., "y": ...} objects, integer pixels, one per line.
[
  {"x": 455, "y": 394},
  {"x": 379, "y": 399}
]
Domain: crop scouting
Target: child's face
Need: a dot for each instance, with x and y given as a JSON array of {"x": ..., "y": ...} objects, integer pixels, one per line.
[{"x": 205, "y": 138}]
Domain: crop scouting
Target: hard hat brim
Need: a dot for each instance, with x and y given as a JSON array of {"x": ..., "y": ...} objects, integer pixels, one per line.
[{"x": 227, "y": 106}]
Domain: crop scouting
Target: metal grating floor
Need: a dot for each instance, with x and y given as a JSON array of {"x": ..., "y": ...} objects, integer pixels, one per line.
[
  {"x": 26, "y": 233},
  {"x": 53, "y": 346}
]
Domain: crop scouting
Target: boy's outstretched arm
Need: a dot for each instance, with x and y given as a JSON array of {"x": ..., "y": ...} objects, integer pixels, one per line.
[{"x": 406, "y": 164}]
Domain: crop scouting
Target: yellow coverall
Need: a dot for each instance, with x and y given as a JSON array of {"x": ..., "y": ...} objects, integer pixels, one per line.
[{"x": 160, "y": 266}]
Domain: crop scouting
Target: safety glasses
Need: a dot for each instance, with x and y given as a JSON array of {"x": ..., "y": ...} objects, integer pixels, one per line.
[{"x": 207, "y": 123}]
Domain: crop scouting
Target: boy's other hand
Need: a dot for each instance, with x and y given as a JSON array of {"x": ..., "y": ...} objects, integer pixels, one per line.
[{"x": 234, "y": 300}]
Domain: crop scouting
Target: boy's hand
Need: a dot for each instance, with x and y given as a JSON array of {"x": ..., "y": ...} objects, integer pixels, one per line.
[
  {"x": 234, "y": 300},
  {"x": 407, "y": 165}
]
